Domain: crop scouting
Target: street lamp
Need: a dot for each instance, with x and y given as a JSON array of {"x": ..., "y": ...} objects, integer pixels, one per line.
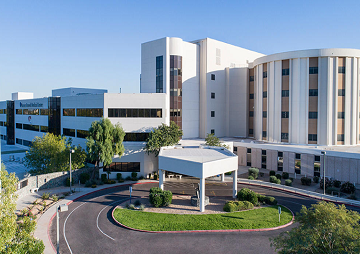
[
  {"x": 71, "y": 151},
  {"x": 324, "y": 153},
  {"x": 61, "y": 208}
]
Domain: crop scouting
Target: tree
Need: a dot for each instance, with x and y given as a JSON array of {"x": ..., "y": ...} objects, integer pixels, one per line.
[
  {"x": 104, "y": 142},
  {"x": 14, "y": 237},
  {"x": 163, "y": 136},
  {"x": 212, "y": 140},
  {"x": 50, "y": 153},
  {"x": 324, "y": 228}
]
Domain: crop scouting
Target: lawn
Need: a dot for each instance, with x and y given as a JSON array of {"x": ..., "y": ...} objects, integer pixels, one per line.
[{"x": 253, "y": 219}]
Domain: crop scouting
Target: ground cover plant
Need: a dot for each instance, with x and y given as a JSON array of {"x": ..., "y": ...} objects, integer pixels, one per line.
[{"x": 258, "y": 218}]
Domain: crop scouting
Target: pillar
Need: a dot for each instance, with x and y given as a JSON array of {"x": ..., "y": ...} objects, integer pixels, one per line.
[
  {"x": 223, "y": 177},
  {"x": 234, "y": 183},
  {"x": 202, "y": 194},
  {"x": 161, "y": 178}
]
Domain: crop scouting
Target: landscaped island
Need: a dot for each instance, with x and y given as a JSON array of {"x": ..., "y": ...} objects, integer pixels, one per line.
[{"x": 266, "y": 217}]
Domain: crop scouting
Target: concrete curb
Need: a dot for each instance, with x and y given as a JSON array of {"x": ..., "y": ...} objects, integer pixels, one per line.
[{"x": 206, "y": 231}]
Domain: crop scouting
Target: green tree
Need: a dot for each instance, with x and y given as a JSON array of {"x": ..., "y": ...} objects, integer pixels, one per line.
[
  {"x": 324, "y": 228},
  {"x": 163, "y": 136},
  {"x": 212, "y": 140},
  {"x": 104, "y": 142},
  {"x": 14, "y": 237},
  {"x": 50, "y": 153}
]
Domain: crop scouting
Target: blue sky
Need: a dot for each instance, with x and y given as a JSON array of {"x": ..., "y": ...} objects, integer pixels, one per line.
[{"x": 53, "y": 44}]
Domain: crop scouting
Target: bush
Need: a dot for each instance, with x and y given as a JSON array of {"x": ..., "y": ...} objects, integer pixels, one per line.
[
  {"x": 228, "y": 173},
  {"x": 167, "y": 198},
  {"x": 278, "y": 176},
  {"x": 247, "y": 195},
  {"x": 137, "y": 202},
  {"x": 316, "y": 179},
  {"x": 254, "y": 172},
  {"x": 55, "y": 198},
  {"x": 261, "y": 198},
  {"x": 270, "y": 200},
  {"x": 156, "y": 199},
  {"x": 288, "y": 182},
  {"x": 121, "y": 180},
  {"x": 233, "y": 206},
  {"x": 93, "y": 186},
  {"x": 272, "y": 173},
  {"x": 131, "y": 206},
  {"x": 278, "y": 181},
  {"x": 103, "y": 178},
  {"x": 141, "y": 177},
  {"x": 84, "y": 177},
  {"x": 111, "y": 181},
  {"x": 285, "y": 175},
  {"x": 332, "y": 191},
  {"x": 88, "y": 183},
  {"x": 156, "y": 190},
  {"x": 128, "y": 178},
  {"x": 251, "y": 178},
  {"x": 141, "y": 207},
  {"x": 230, "y": 207},
  {"x": 45, "y": 195},
  {"x": 328, "y": 183},
  {"x": 133, "y": 175},
  {"x": 292, "y": 179},
  {"x": 306, "y": 181},
  {"x": 337, "y": 183},
  {"x": 119, "y": 176},
  {"x": 155, "y": 177},
  {"x": 273, "y": 179},
  {"x": 348, "y": 187},
  {"x": 67, "y": 181}
]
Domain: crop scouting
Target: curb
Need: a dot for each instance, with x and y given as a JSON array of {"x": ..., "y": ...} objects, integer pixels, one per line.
[
  {"x": 206, "y": 231},
  {"x": 71, "y": 201}
]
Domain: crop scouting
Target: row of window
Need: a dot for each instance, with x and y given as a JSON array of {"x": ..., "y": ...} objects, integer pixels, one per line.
[
  {"x": 89, "y": 112},
  {"x": 23, "y": 142},
  {"x": 79, "y": 133},
  {"x": 134, "y": 112},
  {"x": 36, "y": 111},
  {"x": 175, "y": 112},
  {"x": 32, "y": 127},
  {"x": 3, "y": 111},
  {"x": 159, "y": 74},
  {"x": 123, "y": 167},
  {"x": 2, "y": 123},
  {"x": 285, "y": 93}
]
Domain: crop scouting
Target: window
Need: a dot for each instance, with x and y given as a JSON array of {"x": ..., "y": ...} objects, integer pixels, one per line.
[
  {"x": 44, "y": 112},
  {"x": 285, "y": 114},
  {"x": 175, "y": 112},
  {"x": 27, "y": 143},
  {"x": 31, "y": 111},
  {"x": 313, "y": 70},
  {"x": 18, "y": 141},
  {"x": 341, "y": 92},
  {"x": 123, "y": 167},
  {"x": 284, "y": 135},
  {"x": 19, "y": 111},
  {"x": 251, "y": 78},
  {"x": 212, "y": 95},
  {"x": 82, "y": 133},
  {"x": 265, "y": 94},
  {"x": 251, "y": 131},
  {"x": 44, "y": 129},
  {"x": 285, "y": 72},
  {"x": 265, "y": 74},
  {"x": 341, "y": 69},
  {"x": 280, "y": 161},
  {"x": 341, "y": 115},
  {"x": 251, "y": 113},
  {"x": 235, "y": 149},
  {"x": 134, "y": 112},
  {"x": 263, "y": 159},
  {"x": 313, "y": 92},
  {"x": 340, "y": 137},
  {"x": 159, "y": 74},
  {"x": 251, "y": 96},
  {"x": 264, "y": 114},
  {"x": 248, "y": 150},
  {"x": 285, "y": 93},
  {"x": 264, "y": 134},
  {"x": 89, "y": 112},
  {"x": 212, "y": 113},
  {"x": 298, "y": 156},
  {"x": 212, "y": 76},
  {"x": 68, "y": 112},
  {"x": 312, "y": 137},
  {"x": 317, "y": 166},
  {"x": 132, "y": 136},
  {"x": 69, "y": 132},
  {"x": 298, "y": 163},
  {"x": 31, "y": 127},
  {"x": 248, "y": 157},
  {"x": 212, "y": 131},
  {"x": 18, "y": 126},
  {"x": 313, "y": 115}
]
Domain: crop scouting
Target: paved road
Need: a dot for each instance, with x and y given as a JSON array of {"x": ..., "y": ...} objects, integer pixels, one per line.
[{"x": 89, "y": 227}]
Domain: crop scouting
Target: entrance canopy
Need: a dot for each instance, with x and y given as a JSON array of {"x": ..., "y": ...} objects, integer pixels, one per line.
[{"x": 200, "y": 162}]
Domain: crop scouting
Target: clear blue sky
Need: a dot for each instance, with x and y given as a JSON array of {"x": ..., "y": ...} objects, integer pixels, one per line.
[{"x": 53, "y": 44}]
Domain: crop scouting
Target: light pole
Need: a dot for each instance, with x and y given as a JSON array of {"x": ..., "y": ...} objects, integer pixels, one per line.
[
  {"x": 61, "y": 208},
  {"x": 71, "y": 151},
  {"x": 324, "y": 153}
]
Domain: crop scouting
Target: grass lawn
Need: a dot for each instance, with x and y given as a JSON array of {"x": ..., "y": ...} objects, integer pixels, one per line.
[{"x": 258, "y": 218}]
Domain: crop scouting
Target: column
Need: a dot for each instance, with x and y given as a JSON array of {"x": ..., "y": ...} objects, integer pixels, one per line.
[
  {"x": 202, "y": 194},
  {"x": 234, "y": 183},
  {"x": 161, "y": 178},
  {"x": 223, "y": 177}
]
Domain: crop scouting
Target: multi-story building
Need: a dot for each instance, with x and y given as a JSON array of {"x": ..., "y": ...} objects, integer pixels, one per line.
[{"x": 280, "y": 110}]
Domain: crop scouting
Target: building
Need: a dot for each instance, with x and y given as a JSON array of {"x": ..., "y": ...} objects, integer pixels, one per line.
[{"x": 280, "y": 111}]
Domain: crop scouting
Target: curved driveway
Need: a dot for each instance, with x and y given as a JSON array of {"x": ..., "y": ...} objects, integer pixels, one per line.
[{"x": 89, "y": 227}]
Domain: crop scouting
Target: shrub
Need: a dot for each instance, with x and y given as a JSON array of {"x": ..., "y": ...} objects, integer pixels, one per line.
[
  {"x": 332, "y": 191},
  {"x": 273, "y": 179},
  {"x": 156, "y": 190},
  {"x": 141, "y": 207},
  {"x": 46, "y": 195},
  {"x": 347, "y": 187},
  {"x": 328, "y": 183},
  {"x": 111, "y": 181},
  {"x": 233, "y": 206},
  {"x": 137, "y": 202},
  {"x": 278, "y": 181},
  {"x": 254, "y": 172},
  {"x": 261, "y": 198},
  {"x": 247, "y": 195},
  {"x": 352, "y": 196},
  {"x": 167, "y": 197},
  {"x": 119, "y": 176},
  {"x": 67, "y": 181},
  {"x": 103, "y": 178},
  {"x": 288, "y": 182},
  {"x": 292, "y": 179},
  {"x": 316, "y": 179},
  {"x": 306, "y": 181},
  {"x": 230, "y": 207},
  {"x": 251, "y": 178},
  {"x": 155, "y": 177},
  {"x": 272, "y": 173},
  {"x": 128, "y": 178},
  {"x": 228, "y": 173},
  {"x": 270, "y": 200},
  {"x": 55, "y": 198},
  {"x": 285, "y": 175},
  {"x": 121, "y": 180},
  {"x": 88, "y": 183},
  {"x": 84, "y": 177},
  {"x": 133, "y": 175},
  {"x": 156, "y": 199},
  {"x": 278, "y": 176},
  {"x": 93, "y": 186},
  {"x": 337, "y": 183},
  {"x": 141, "y": 177},
  {"x": 245, "y": 205},
  {"x": 131, "y": 207}
]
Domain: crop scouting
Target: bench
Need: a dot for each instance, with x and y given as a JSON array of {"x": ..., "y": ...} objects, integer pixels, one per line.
[
  {"x": 34, "y": 190},
  {"x": 178, "y": 176},
  {"x": 170, "y": 175}
]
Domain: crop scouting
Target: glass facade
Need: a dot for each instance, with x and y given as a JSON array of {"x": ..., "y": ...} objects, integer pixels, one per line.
[
  {"x": 69, "y": 132},
  {"x": 135, "y": 112},
  {"x": 89, "y": 112},
  {"x": 54, "y": 120},
  {"x": 132, "y": 136},
  {"x": 10, "y": 119},
  {"x": 159, "y": 74},
  {"x": 123, "y": 167},
  {"x": 68, "y": 112},
  {"x": 176, "y": 89}
]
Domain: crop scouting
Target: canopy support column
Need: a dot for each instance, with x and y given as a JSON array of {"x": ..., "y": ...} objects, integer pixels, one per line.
[
  {"x": 161, "y": 178},
  {"x": 234, "y": 183},
  {"x": 202, "y": 194},
  {"x": 223, "y": 177}
]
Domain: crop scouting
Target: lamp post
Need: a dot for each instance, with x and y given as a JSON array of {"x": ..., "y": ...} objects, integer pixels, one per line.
[
  {"x": 71, "y": 151},
  {"x": 61, "y": 208},
  {"x": 324, "y": 153}
]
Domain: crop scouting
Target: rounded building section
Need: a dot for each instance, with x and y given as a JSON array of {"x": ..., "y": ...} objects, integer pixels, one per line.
[{"x": 306, "y": 97}]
